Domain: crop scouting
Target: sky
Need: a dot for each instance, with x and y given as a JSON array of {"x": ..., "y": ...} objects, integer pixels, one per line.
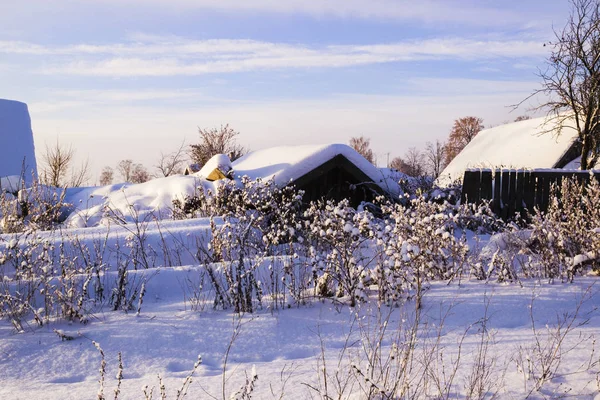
[{"x": 129, "y": 79}]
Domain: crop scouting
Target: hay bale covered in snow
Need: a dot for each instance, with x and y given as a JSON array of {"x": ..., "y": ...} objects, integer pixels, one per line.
[{"x": 16, "y": 141}]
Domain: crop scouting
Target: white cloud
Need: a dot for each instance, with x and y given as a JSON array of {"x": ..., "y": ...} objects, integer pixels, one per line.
[
  {"x": 170, "y": 56},
  {"x": 464, "y": 12}
]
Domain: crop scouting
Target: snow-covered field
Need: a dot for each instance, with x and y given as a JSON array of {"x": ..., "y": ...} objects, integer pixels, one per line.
[
  {"x": 120, "y": 300},
  {"x": 288, "y": 348},
  {"x": 489, "y": 338}
]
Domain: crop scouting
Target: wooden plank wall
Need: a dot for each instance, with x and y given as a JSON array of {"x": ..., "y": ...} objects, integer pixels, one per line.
[{"x": 513, "y": 191}]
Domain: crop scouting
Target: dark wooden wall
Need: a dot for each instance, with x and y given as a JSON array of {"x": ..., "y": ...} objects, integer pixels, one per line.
[
  {"x": 337, "y": 184},
  {"x": 337, "y": 179},
  {"x": 515, "y": 191}
]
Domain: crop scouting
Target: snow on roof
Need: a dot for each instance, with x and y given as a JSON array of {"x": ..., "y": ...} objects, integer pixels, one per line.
[
  {"x": 287, "y": 163},
  {"x": 16, "y": 140},
  {"x": 218, "y": 161},
  {"x": 154, "y": 199},
  {"x": 517, "y": 145}
]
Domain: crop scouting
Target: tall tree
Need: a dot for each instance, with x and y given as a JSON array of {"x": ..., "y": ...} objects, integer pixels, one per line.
[
  {"x": 463, "y": 131},
  {"x": 214, "y": 141},
  {"x": 571, "y": 80},
  {"x": 362, "y": 145}
]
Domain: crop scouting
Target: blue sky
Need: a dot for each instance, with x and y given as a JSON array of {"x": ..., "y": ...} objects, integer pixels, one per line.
[{"x": 131, "y": 78}]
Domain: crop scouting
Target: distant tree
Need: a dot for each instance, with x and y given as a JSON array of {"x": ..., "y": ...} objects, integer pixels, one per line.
[
  {"x": 171, "y": 163},
  {"x": 463, "y": 131},
  {"x": 106, "y": 176},
  {"x": 522, "y": 118},
  {"x": 411, "y": 164},
  {"x": 58, "y": 170},
  {"x": 399, "y": 164},
  {"x": 132, "y": 172},
  {"x": 435, "y": 157},
  {"x": 216, "y": 141},
  {"x": 125, "y": 168},
  {"x": 362, "y": 145},
  {"x": 139, "y": 174}
]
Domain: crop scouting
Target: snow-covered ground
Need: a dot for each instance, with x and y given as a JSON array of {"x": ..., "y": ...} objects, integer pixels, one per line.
[
  {"x": 286, "y": 347},
  {"x": 470, "y": 338},
  {"x": 501, "y": 338}
]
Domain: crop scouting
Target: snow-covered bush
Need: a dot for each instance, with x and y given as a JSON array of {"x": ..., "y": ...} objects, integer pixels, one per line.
[
  {"x": 420, "y": 245},
  {"x": 478, "y": 218},
  {"x": 38, "y": 207},
  {"x": 260, "y": 220},
  {"x": 450, "y": 193},
  {"x": 567, "y": 236},
  {"x": 339, "y": 237},
  {"x": 46, "y": 280}
]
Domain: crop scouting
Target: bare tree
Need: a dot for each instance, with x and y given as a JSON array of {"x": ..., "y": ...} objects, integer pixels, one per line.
[
  {"x": 57, "y": 160},
  {"x": 435, "y": 155},
  {"x": 216, "y": 141},
  {"x": 106, "y": 176},
  {"x": 571, "y": 81},
  {"x": 132, "y": 172},
  {"x": 411, "y": 164},
  {"x": 171, "y": 163},
  {"x": 81, "y": 175},
  {"x": 463, "y": 131},
  {"x": 139, "y": 174},
  {"x": 58, "y": 167},
  {"x": 125, "y": 168},
  {"x": 399, "y": 164},
  {"x": 362, "y": 145}
]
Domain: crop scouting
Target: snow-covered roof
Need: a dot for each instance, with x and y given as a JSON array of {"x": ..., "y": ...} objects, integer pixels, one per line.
[
  {"x": 154, "y": 199},
  {"x": 16, "y": 142},
  {"x": 288, "y": 163},
  {"x": 517, "y": 145}
]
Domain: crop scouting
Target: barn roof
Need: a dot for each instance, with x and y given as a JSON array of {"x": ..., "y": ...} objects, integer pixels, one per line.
[
  {"x": 287, "y": 164},
  {"x": 517, "y": 145}
]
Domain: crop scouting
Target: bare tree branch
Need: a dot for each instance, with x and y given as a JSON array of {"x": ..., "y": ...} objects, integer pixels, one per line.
[
  {"x": 171, "y": 163},
  {"x": 571, "y": 80}
]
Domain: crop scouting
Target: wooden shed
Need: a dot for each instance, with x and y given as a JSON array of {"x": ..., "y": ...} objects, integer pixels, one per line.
[{"x": 333, "y": 171}]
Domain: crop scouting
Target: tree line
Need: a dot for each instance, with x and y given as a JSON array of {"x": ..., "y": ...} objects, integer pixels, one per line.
[
  {"x": 436, "y": 155},
  {"x": 59, "y": 169}
]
